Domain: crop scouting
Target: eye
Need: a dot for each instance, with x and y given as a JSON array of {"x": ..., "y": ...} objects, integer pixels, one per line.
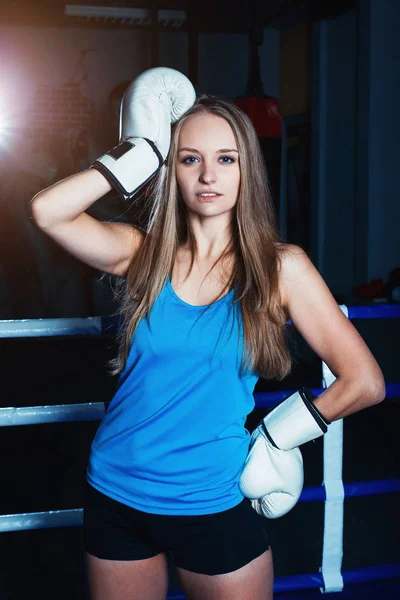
[
  {"x": 232, "y": 160},
  {"x": 187, "y": 160}
]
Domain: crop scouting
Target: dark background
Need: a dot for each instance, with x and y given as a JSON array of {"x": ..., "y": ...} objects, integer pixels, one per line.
[{"x": 43, "y": 467}]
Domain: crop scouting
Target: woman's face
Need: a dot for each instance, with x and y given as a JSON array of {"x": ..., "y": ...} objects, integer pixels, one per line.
[{"x": 207, "y": 167}]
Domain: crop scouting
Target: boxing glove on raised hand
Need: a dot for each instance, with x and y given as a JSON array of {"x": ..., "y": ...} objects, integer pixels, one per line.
[
  {"x": 272, "y": 475},
  {"x": 151, "y": 103}
]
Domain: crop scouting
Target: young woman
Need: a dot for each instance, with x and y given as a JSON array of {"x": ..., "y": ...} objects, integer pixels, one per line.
[{"x": 208, "y": 291}]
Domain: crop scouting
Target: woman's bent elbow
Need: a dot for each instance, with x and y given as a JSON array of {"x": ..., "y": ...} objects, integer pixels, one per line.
[
  {"x": 38, "y": 211},
  {"x": 377, "y": 390}
]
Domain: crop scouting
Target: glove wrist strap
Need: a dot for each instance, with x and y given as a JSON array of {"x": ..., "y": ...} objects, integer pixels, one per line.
[
  {"x": 294, "y": 421},
  {"x": 130, "y": 165}
]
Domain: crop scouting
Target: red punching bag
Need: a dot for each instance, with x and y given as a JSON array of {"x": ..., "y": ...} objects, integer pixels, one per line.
[
  {"x": 265, "y": 115},
  {"x": 262, "y": 110}
]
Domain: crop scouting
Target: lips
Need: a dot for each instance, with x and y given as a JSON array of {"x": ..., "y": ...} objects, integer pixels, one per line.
[{"x": 205, "y": 194}]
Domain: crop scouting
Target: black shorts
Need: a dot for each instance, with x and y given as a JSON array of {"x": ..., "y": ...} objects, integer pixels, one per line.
[{"x": 210, "y": 544}]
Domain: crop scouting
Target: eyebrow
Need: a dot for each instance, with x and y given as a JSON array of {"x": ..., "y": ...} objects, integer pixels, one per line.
[{"x": 194, "y": 150}]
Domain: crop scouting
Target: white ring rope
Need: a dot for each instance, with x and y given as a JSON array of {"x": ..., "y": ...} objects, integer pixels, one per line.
[
  {"x": 41, "y": 520},
  {"x": 59, "y": 413},
  {"x": 50, "y": 327},
  {"x": 332, "y": 552}
]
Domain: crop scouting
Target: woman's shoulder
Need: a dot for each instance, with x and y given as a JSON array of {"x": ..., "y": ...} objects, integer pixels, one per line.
[
  {"x": 290, "y": 255},
  {"x": 292, "y": 260}
]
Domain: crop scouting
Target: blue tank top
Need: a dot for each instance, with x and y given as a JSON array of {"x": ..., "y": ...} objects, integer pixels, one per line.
[{"x": 173, "y": 440}]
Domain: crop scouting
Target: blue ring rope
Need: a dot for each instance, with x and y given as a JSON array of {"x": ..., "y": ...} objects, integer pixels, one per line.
[
  {"x": 353, "y": 489},
  {"x": 315, "y": 580}
]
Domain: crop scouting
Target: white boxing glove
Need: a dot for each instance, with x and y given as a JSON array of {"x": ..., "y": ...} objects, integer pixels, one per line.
[
  {"x": 272, "y": 475},
  {"x": 272, "y": 478},
  {"x": 151, "y": 103}
]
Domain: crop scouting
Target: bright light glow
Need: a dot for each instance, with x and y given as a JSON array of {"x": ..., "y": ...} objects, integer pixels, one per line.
[
  {"x": 9, "y": 127},
  {"x": 7, "y": 133}
]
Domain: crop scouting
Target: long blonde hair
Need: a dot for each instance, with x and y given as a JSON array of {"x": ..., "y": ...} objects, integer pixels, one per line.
[{"x": 253, "y": 251}]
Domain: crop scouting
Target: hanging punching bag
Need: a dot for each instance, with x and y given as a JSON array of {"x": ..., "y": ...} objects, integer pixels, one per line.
[
  {"x": 264, "y": 113},
  {"x": 263, "y": 110}
]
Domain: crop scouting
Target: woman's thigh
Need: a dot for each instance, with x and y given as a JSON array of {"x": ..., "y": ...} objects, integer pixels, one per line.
[
  {"x": 128, "y": 580},
  {"x": 220, "y": 543},
  {"x": 254, "y": 581},
  {"x": 123, "y": 563}
]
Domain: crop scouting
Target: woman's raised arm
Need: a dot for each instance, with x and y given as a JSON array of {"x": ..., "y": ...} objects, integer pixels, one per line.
[{"x": 59, "y": 211}]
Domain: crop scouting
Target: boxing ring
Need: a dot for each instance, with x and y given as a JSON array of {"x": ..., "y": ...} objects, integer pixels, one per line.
[{"x": 331, "y": 493}]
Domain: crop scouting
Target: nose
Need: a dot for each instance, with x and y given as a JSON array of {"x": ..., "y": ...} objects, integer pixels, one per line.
[{"x": 207, "y": 174}]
